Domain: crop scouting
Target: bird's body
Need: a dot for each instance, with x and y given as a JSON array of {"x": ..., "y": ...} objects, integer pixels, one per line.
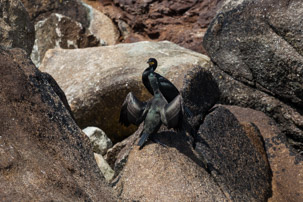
[
  {"x": 153, "y": 119},
  {"x": 154, "y": 113}
]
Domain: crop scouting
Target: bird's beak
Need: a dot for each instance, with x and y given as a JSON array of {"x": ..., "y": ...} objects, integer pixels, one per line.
[{"x": 150, "y": 63}]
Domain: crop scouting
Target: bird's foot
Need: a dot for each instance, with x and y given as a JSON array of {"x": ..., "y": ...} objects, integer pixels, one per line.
[{"x": 156, "y": 140}]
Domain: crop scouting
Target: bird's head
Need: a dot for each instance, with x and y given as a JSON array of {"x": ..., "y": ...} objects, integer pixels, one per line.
[{"x": 152, "y": 62}]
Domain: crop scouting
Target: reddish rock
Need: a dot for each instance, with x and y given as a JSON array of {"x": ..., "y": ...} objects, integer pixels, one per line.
[
  {"x": 44, "y": 155},
  {"x": 182, "y": 22}
]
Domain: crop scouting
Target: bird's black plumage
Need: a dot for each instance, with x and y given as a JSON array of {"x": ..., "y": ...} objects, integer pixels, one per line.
[
  {"x": 168, "y": 89},
  {"x": 153, "y": 113}
]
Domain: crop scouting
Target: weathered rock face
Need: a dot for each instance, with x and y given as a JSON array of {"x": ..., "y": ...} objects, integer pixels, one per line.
[
  {"x": 117, "y": 155},
  {"x": 236, "y": 163},
  {"x": 43, "y": 153},
  {"x": 97, "y": 80},
  {"x": 171, "y": 173},
  {"x": 286, "y": 164},
  {"x": 259, "y": 43},
  {"x": 58, "y": 31},
  {"x": 16, "y": 29},
  {"x": 182, "y": 22},
  {"x": 41, "y": 9}
]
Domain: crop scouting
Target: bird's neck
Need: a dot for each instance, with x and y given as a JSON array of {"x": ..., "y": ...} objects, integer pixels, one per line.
[
  {"x": 151, "y": 68},
  {"x": 155, "y": 85}
]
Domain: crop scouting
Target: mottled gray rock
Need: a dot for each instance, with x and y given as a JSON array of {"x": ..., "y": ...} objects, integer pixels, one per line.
[
  {"x": 97, "y": 80},
  {"x": 43, "y": 153},
  {"x": 41, "y": 9},
  {"x": 16, "y": 29},
  {"x": 237, "y": 164},
  {"x": 101, "y": 143},
  {"x": 58, "y": 31},
  {"x": 259, "y": 43}
]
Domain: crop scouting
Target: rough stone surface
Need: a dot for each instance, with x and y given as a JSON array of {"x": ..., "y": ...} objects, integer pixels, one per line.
[
  {"x": 47, "y": 77},
  {"x": 103, "y": 28},
  {"x": 179, "y": 21},
  {"x": 43, "y": 153},
  {"x": 233, "y": 159},
  {"x": 286, "y": 164},
  {"x": 58, "y": 31},
  {"x": 171, "y": 173},
  {"x": 117, "y": 155},
  {"x": 101, "y": 143},
  {"x": 41, "y": 9},
  {"x": 16, "y": 29},
  {"x": 200, "y": 92},
  {"x": 97, "y": 80},
  {"x": 233, "y": 92},
  {"x": 259, "y": 43},
  {"x": 106, "y": 170}
]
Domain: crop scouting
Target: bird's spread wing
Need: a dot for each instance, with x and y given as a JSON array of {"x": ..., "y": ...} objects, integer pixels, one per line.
[
  {"x": 172, "y": 114},
  {"x": 166, "y": 83},
  {"x": 132, "y": 111},
  {"x": 168, "y": 89}
]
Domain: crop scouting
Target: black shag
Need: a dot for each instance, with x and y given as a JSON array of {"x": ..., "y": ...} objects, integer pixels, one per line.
[
  {"x": 153, "y": 113},
  {"x": 168, "y": 90}
]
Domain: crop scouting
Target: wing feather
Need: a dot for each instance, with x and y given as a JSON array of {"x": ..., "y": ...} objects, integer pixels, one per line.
[
  {"x": 132, "y": 110},
  {"x": 173, "y": 113}
]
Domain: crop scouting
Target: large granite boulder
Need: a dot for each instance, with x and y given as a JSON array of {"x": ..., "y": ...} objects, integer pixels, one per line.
[
  {"x": 237, "y": 163},
  {"x": 182, "y": 22},
  {"x": 285, "y": 163},
  {"x": 44, "y": 155},
  {"x": 97, "y": 80},
  {"x": 170, "y": 173},
  {"x": 259, "y": 44},
  {"x": 16, "y": 29}
]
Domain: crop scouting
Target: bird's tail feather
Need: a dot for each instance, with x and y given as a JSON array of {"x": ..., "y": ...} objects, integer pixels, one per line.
[{"x": 142, "y": 140}]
